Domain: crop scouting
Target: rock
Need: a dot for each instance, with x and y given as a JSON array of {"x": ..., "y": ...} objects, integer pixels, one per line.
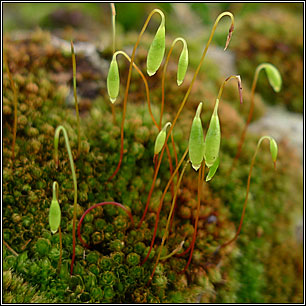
[{"x": 282, "y": 125}]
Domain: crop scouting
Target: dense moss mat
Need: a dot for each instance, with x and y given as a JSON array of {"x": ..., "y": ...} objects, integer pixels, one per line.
[{"x": 110, "y": 270}]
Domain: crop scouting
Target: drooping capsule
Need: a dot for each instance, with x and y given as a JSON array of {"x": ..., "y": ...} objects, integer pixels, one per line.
[
  {"x": 160, "y": 139},
  {"x": 274, "y": 76},
  {"x": 213, "y": 138},
  {"x": 212, "y": 170},
  {"x": 182, "y": 64},
  {"x": 157, "y": 50},
  {"x": 113, "y": 80},
  {"x": 273, "y": 149},
  {"x": 196, "y": 140},
  {"x": 54, "y": 212}
]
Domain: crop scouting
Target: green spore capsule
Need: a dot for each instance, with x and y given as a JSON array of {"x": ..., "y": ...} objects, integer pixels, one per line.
[
  {"x": 213, "y": 169},
  {"x": 274, "y": 76},
  {"x": 273, "y": 149},
  {"x": 213, "y": 138},
  {"x": 157, "y": 50},
  {"x": 182, "y": 64},
  {"x": 55, "y": 211},
  {"x": 160, "y": 139},
  {"x": 113, "y": 80},
  {"x": 196, "y": 140}
]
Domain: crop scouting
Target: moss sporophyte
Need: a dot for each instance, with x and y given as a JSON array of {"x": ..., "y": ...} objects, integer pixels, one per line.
[{"x": 121, "y": 257}]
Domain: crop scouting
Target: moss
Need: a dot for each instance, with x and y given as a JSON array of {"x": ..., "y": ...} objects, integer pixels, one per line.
[{"x": 111, "y": 270}]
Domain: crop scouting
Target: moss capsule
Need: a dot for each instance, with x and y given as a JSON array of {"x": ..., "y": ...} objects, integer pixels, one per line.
[
  {"x": 213, "y": 169},
  {"x": 213, "y": 138},
  {"x": 55, "y": 211},
  {"x": 196, "y": 140},
  {"x": 160, "y": 139},
  {"x": 113, "y": 80},
  {"x": 273, "y": 149},
  {"x": 157, "y": 50},
  {"x": 274, "y": 76},
  {"x": 182, "y": 64}
]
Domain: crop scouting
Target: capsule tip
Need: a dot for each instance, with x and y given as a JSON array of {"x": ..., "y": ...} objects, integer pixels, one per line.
[
  {"x": 150, "y": 73},
  {"x": 179, "y": 82}
]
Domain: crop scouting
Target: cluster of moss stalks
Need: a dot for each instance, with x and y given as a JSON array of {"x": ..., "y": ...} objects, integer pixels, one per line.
[{"x": 110, "y": 271}]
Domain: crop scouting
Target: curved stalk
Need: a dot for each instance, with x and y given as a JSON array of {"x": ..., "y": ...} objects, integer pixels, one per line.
[
  {"x": 247, "y": 193},
  {"x": 112, "y": 5},
  {"x": 164, "y": 75},
  {"x": 250, "y": 115},
  {"x": 162, "y": 200},
  {"x": 128, "y": 86},
  {"x": 93, "y": 207},
  {"x": 56, "y": 140},
  {"x": 15, "y": 104},
  {"x": 148, "y": 100},
  {"x": 144, "y": 81},
  {"x": 76, "y": 98},
  {"x": 166, "y": 233}
]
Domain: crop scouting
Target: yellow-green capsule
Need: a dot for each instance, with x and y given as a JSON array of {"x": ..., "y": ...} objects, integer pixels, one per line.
[
  {"x": 196, "y": 140},
  {"x": 274, "y": 76},
  {"x": 113, "y": 80},
  {"x": 213, "y": 169},
  {"x": 157, "y": 50},
  {"x": 182, "y": 65},
  {"x": 160, "y": 139},
  {"x": 213, "y": 138},
  {"x": 54, "y": 212},
  {"x": 273, "y": 149}
]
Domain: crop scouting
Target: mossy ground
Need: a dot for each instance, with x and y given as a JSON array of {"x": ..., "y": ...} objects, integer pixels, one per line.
[{"x": 110, "y": 271}]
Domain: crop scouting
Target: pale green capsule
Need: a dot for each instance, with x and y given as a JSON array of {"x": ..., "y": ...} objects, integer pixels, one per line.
[
  {"x": 273, "y": 149},
  {"x": 182, "y": 65},
  {"x": 113, "y": 80},
  {"x": 274, "y": 76},
  {"x": 160, "y": 139},
  {"x": 55, "y": 210},
  {"x": 213, "y": 169},
  {"x": 196, "y": 140},
  {"x": 54, "y": 216},
  {"x": 213, "y": 138},
  {"x": 157, "y": 50}
]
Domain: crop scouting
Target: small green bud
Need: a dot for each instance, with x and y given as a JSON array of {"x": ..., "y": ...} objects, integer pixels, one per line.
[
  {"x": 108, "y": 278},
  {"x": 113, "y": 80},
  {"x": 182, "y": 65},
  {"x": 213, "y": 138},
  {"x": 213, "y": 170},
  {"x": 160, "y": 139},
  {"x": 196, "y": 140},
  {"x": 133, "y": 259},
  {"x": 274, "y": 76},
  {"x": 109, "y": 292},
  {"x": 157, "y": 50},
  {"x": 43, "y": 246}
]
